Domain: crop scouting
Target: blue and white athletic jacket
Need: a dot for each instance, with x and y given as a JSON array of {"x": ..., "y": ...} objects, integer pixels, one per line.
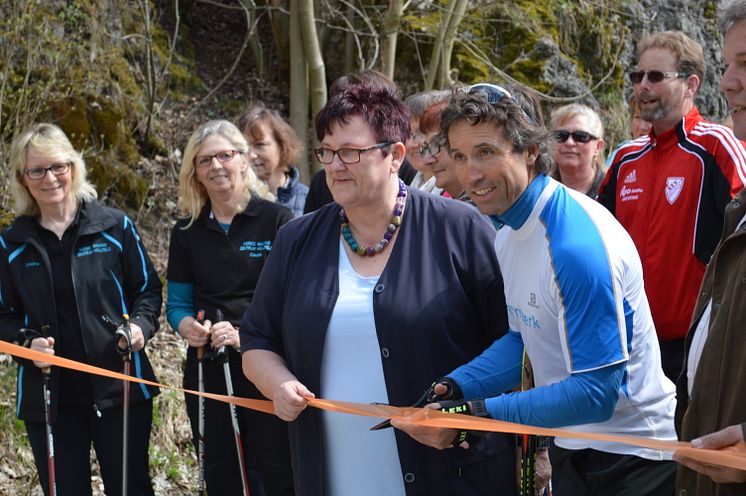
[
  {"x": 112, "y": 275},
  {"x": 576, "y": 301}
]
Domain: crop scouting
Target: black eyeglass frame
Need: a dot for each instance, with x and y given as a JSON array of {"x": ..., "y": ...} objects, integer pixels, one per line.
[
  {"x": 339, "y": 152},
  {"x": 198, "y": 158},
  {"x": 62, "y": 168},
  {"x": 655, "y": 76},
  {"x": 429, "y": 147},
  {"x": 562, "y": 135}
]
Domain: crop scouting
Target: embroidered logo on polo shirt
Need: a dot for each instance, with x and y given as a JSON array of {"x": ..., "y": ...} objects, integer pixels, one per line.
[
  {"x": 532, "y": 301},
  {"x": 256, "y": 248},
  {"x": 674, "y": 185},
  {"x": 631, "y": 177}
]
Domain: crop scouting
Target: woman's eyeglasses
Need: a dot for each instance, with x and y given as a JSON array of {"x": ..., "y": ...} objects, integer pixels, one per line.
[
  {"x": 38, "y": 173},
  {"x": 347, "y": 156},
  {"x": 563, "y": 135},
  {"x": 222, "y": 156},
  {"x": 432, "y": 148},
  {"x": 654, "y": 76}
]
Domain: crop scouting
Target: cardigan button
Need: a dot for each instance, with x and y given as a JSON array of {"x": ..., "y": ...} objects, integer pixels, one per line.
[
  {"x": 683, "y": 492},
  {"x": 379, "y": 288},
  {"x": 385, "y": 352},
  {"x": 409, "y": 477}
]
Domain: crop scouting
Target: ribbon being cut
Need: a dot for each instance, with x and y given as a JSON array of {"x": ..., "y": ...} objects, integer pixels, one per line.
[{"x": 733, "y": 456}]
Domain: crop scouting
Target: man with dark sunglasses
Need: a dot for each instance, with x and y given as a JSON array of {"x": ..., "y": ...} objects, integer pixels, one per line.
[
  {"x": 669, "y": 188},
  {"x": 711, "y": 392}
]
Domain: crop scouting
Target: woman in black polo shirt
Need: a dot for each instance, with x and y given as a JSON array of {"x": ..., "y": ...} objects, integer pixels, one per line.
[{"x": 216, "y": 253}]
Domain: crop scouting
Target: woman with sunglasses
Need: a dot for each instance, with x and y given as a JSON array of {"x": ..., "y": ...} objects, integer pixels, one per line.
[
  {"x": 578, "y": 148},
  {"x": 71, "y": 272},
  {"x": 217, "y": 250},
  {"x": 367, "y": 299}
]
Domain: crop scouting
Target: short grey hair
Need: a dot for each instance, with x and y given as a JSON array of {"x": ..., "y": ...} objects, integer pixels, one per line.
[
  {"x": 729, "y": 13},
  {"x": 419, "y": 102}
]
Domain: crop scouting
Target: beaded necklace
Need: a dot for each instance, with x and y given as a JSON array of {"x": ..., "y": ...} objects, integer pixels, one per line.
[{"x": 369, "y": 251}]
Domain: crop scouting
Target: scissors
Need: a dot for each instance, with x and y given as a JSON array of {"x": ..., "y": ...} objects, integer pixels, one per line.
[{"x": 429, "y": 396}]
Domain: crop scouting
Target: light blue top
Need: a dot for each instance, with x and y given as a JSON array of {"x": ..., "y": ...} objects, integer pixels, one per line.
[{"x": 357, "y": 461}]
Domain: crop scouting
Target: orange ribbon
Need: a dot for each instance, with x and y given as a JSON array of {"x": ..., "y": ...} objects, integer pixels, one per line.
[{"x": 732, "y": 456}]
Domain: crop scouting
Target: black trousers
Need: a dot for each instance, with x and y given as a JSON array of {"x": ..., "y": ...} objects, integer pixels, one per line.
[
  {"x": 264, "y": 437},
  {"x": 672, "y": 358},
  {"x": 590, "y": 472},
  {"x": 74, "y": 432}
]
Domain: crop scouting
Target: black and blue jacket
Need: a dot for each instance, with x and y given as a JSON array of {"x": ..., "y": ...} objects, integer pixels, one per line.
[{"x": 112, "y": 275}]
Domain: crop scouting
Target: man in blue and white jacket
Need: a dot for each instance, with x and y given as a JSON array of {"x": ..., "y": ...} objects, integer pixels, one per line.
[{"x": 576, "y": 302}]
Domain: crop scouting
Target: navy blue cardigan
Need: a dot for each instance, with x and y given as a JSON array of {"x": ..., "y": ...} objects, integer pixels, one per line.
[{"x": 438, "y": 303}]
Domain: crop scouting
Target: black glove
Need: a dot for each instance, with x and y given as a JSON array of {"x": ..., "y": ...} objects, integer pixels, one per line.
[
  {"x": 453, "y": 392},
  {"x": 474, "y": 407}
]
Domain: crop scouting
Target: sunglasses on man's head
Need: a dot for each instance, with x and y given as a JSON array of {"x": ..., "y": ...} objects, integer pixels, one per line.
[
  {"x": 493, "y": 93},
  {"x": 577, "y": 136},
  {"x": 654, "y": 76}
]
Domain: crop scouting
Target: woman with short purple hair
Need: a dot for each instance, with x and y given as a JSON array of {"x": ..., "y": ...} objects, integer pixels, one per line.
[{"x": 369, "y": 299}]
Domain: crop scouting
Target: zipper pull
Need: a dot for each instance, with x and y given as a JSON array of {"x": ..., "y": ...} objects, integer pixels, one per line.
[{"x": 98, "y": 412}]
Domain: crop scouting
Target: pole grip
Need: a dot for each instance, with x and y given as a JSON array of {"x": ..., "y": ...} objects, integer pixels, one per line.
[
  {"x": 200, "y": 349},
  {"x": 222, "y": 351}
]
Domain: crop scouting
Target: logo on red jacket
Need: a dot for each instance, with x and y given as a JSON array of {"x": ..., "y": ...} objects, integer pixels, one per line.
[
  {"x": 674, "y": 185},
  {"x": 631, "y": 177}
]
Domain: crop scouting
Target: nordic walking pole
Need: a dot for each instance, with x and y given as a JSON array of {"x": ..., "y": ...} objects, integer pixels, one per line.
[
  {"x": 201, "y": 412},
  {"x": 51, "y": 471},
  {"x": 223, "y": 355},
  {"x": 124, "y": 332}
]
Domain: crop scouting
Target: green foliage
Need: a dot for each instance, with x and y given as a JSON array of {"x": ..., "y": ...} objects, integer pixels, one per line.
[
  {"x": 80, "y": 64},
  {"x": 13, "y": 432},
  {"x": 508, "y": 34}
]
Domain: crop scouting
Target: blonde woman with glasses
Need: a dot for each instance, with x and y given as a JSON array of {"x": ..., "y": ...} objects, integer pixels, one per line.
[
  {"x": 72, "y": 273},
  {"x": 218, "y": 248}
]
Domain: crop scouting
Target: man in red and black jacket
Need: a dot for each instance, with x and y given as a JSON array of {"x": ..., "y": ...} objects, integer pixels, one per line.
[{"x": 669, "y": 189}]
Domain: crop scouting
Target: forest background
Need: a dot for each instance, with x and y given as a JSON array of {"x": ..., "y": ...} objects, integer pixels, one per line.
[{"x": 129, "y": 80}]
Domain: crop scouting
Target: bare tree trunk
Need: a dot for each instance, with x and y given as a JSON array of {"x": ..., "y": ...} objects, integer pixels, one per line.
[
  {"x": 446, "y": 80},
  {"x": 316, "y": 68},
  {"x": 432, "y": 70},
  {"x": 260, "y": 59},
  {"x": 149, "y": 67},
  {"x": 350, "y": 42},
  {"x": 391, "y": 25},
  {"x": 298, "y": 88},
  {"x": 280, "y": 32}
]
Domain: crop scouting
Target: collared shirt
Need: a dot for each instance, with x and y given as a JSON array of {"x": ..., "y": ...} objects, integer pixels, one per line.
[{"x": 223, "y": 267}]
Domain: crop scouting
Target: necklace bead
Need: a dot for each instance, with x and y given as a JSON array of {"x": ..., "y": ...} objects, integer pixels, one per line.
[{"x": 369, "y": 251}]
